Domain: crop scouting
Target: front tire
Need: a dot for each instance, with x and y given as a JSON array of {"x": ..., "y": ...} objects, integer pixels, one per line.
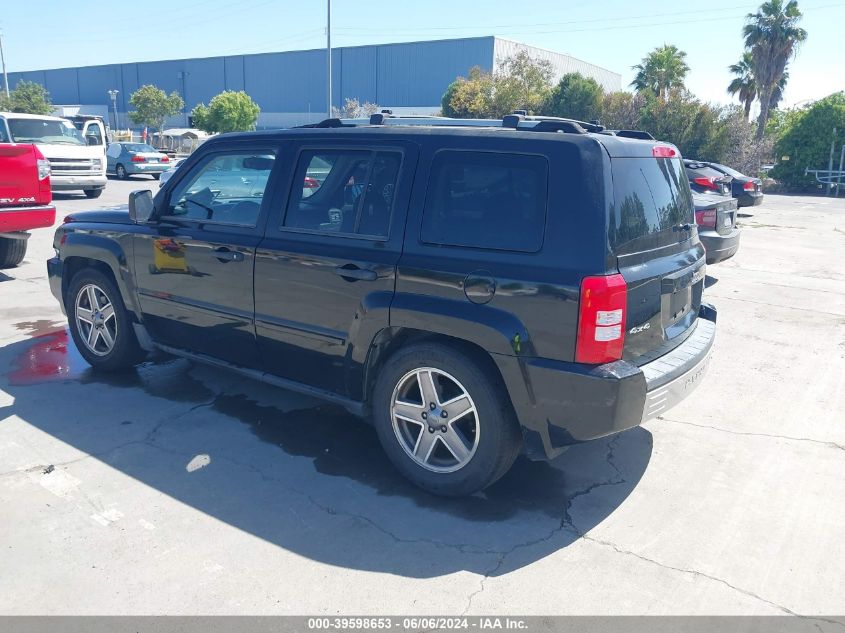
[
  {"x": 99, "y": 323},
  {"x": 12, "y": 251},
  {"x": 120, "y": 172},
  {"x": 444, "y": 421}
]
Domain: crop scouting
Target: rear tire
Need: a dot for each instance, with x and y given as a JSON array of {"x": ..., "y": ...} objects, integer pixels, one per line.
[
  {"x": 120, "y": 172},
  {"x": 99, "y": 322},
  {"x": 94, "y": 193},
  {"x": 12, "y": 252},
  {"x": 480, "y": 416}
]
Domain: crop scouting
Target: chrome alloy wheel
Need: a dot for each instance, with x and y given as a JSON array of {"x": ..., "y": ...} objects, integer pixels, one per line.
[
  {"x": 435, "y": 420},
  {"x": 95, "y": 319}
]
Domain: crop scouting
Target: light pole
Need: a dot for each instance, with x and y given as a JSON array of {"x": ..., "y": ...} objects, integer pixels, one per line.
[
  {"x": 3, "y": 60},
  {"x": 113, "y": 94}
]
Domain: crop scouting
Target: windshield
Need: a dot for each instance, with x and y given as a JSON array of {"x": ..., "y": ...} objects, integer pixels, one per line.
[{"x": 44, "y": 131}]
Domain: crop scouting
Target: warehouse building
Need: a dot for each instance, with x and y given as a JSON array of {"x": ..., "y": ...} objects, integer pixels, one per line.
[{"x": 290, "y": 87}]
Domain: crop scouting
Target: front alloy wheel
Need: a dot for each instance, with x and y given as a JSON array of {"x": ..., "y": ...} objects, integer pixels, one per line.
[
  {"x": 95, "y": 319},
  {"x": 435, "y": 420}
]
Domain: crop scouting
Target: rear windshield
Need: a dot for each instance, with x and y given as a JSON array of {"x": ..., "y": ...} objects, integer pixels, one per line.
[
  {"x": 730, "y": 172},
  {"x": 698, "y": 171},
  {"x": 651, "y": 195},
  {"x": 140, "y": 147}
]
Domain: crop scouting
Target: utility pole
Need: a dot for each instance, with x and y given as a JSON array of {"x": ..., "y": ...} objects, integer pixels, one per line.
[
  {"x": 3, "y": 60},
  {"x": 329, "y": 56}
]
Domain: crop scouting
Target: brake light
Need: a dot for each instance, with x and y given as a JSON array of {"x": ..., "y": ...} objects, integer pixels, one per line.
[
  {"x": 311, "y": 183},
  {"x": 663, "y": 151},
  {"x": 601, "y": 319},
  {"x": 43, "y": 168},
  {"x": 139, "y": 159},
  {"x": 706, "y": 217},
  {"x": 749, "y": 186},
  {"x": 707, "y": 183},
  {"x": 165, "y": 159}
]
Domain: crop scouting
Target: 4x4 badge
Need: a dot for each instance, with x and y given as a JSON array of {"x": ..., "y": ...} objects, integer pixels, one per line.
[{"x": 639, "y": 328}]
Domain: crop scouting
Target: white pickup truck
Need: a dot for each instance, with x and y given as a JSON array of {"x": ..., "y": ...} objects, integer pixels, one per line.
[{"x": 77, "y": 158}]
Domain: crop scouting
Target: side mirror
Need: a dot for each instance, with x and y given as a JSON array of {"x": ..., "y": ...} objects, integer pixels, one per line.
[{"x": 141, "y": 206}]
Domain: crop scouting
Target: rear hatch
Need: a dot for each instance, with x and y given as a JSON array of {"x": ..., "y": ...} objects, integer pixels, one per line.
[
  {"x": 725, "y": 213},
  {"x": 652, "y": 235},
  {"x": 19, "y": 183}
]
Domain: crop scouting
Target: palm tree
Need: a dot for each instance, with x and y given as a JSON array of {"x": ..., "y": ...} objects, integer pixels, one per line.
[
  {"x": 661, "y": 70},
  {"x": 744, "y": 85},
  {"x": 773, "y": 36}
]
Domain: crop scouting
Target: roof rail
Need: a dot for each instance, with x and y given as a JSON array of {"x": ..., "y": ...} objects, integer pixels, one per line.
[
  {"x": 549, "y": 124},
  {"x": 325, "y": 123}
]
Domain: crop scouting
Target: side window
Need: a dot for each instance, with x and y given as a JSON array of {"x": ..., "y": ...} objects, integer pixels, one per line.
[
  {"x": 344, "y": 192},
  {"x": 486, "y": 200},
  {"x": 93, "y": 135},
  {"x": 114, "y": 150},
  {"x": 225, "y": 188}
]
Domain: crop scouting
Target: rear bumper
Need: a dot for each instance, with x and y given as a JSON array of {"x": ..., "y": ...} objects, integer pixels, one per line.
[
  {"x": 720, "y": 247},
  {"x": 749, "y": 199},
  {"x": 71, "y": 183},
  {"x": 14, "y": 219},
  {"x": 559, "y": 404},
  {"x": 146, "y": 168}
]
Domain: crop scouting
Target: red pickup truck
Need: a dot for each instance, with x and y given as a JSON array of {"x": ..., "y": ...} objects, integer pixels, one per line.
[{"x": 24, "y": 199}]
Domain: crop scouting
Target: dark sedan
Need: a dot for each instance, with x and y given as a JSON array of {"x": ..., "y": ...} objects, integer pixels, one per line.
[
  {"x": 748, "y": 191},
  {"x": 715, "y": 216},
  {"x": 705, "y": 179}
]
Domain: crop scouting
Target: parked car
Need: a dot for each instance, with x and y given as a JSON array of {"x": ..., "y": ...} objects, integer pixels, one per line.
[
  {"x": 476, "y": 292},
  {"x": 748, "y": 191},
  {"x": 167, "y": 173},
  {"x": 715, "y": 216},
  {"x": 77, "y": 158},
  {"x": 25, "y": 198},
  {"x": 128, "y": 159},
  {"x": 705, "y": 179}
]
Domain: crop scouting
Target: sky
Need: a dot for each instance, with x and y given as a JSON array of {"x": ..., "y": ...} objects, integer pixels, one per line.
[{"x": 615, "y": 34}]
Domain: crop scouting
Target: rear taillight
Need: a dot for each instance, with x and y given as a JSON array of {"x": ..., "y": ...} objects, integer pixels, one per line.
[
  {"x": 707, "y": 217},
  {"x": 43, "y": 168},
  {"x": 663, "y": 151},
  {"x": 601, "y": 319},
  {"x": 310, "y": 183},
  {"x": 139, "y": 159},
  {"x": 707, "y": 183},
  {"x": 749, "y": 186},
  {"x": 165, "y": 159}
]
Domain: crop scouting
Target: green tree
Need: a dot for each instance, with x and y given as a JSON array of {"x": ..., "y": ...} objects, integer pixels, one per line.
[
  {"x": 153, "y": 106},
  {"x": 772, "y": 35},
  {"x": 521, "y": 83},
  {"x": 575, "y": 97},
  {"x": 695, "y": 127},
  {"x": 28, "y": 97},
  {"x": 620, "y": 110},
  {"x": 806, "y": 138},
  {"x": 229, "y": 111},
  {"x": 662, "y": 70},
  {"x": 469, "y": 97},
  {"x": 743, "y": 85}
]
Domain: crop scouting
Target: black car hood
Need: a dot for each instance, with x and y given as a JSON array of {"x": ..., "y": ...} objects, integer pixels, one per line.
[{"x": 106, "y": 216}]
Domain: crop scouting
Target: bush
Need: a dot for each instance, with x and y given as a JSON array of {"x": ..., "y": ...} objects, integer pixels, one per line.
[
  {"x": 806, "y": 138},
  {"x": 229, "y": 111},
  {"x": 694, "y": 127}
]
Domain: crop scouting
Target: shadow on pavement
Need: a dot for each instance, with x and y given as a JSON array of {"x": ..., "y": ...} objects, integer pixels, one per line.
[{"x": 304, "y": 476}]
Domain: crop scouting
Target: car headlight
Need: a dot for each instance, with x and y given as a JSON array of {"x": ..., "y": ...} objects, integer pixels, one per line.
[{"x": 98, "y": 163}]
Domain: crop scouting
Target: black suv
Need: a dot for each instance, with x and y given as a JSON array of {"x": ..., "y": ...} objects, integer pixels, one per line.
[{"x": 475, "y": 288}]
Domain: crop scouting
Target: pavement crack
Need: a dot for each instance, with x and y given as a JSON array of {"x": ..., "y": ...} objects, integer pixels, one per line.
[
  {"x": 827, "y": 443},
  {"x": 700, "y": 574}
]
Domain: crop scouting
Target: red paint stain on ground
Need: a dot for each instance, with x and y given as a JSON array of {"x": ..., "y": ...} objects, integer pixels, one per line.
[{"x": 50, "y": 357}]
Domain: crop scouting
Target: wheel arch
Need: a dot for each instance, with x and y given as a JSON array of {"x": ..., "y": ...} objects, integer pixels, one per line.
[{"x": 82, "y": 251}]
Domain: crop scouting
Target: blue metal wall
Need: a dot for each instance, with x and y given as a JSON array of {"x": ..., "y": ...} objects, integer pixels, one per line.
[{"x": 287, "y": 86}]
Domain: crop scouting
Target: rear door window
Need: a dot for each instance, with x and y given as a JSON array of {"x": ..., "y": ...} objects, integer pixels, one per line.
[
  {"x": 344, "y": 192},
  {"x": 486, "y": 200}
]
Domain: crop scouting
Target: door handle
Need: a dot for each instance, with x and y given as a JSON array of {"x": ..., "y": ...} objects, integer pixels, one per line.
[
  {"x": 351, "y": 272},
  {"x": 225, "y": 255}
]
